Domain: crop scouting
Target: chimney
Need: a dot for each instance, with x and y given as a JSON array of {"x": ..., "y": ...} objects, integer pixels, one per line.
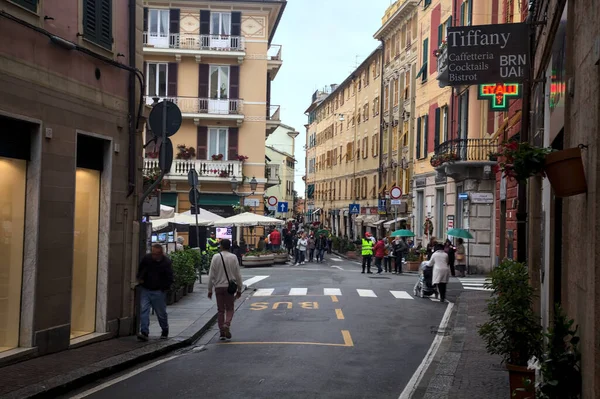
[{"x": 334, "y": 86}]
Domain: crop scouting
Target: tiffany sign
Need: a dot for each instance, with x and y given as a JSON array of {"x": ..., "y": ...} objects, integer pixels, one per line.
[{"x": 499, "y": 94}]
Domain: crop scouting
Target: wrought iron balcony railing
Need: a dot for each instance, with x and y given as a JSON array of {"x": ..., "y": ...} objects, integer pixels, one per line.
[
  {"x": 211, "y": 106},
  {"x": 464, "y": 150}
]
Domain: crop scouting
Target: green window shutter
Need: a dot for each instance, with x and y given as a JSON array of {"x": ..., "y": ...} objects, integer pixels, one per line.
[
  {"x": 440, "y": 34},
  {"x": 97, "y": 22},
  {"x": 425, "y": 58},
  {"x": 437, "y": 128},
  {"x": 425, "y": 135},
  {"x": 418, "y": 138},
  {"x": 462, "y": 14},
  {"x": 31, "y": 5},
  {"x": 470, "y": 13},
  {"x": 449, "y": 23}
]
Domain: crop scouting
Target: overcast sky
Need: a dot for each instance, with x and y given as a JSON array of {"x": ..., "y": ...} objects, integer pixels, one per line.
[{"x": 323, "y": 42}]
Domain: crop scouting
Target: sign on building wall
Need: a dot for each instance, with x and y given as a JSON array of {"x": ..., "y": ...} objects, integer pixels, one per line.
[
  {"x": 450, "y": 224},
  {"x": 487, "y": 54},
  {"x": 499, "y": 94}
]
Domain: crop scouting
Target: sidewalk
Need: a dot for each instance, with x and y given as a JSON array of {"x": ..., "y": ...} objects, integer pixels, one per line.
[
  {"x": 52, "y": 375},
  {"x": 463, "y": 369}
]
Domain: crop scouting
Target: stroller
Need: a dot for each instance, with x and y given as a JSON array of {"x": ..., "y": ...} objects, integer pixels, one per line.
[{"x": 424, "y": 286}]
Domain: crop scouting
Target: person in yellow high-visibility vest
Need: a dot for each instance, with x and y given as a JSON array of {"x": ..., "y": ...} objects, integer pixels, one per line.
[
  {"x": 212, "y": 244},
  {"x": 367, "y": 253}
]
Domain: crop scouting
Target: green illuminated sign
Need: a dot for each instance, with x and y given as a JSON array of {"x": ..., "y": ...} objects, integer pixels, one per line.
[{"x": 499, "y": 94}]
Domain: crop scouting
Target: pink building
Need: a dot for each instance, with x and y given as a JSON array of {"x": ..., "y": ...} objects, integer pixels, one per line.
[{"x": 69, "y": 154}]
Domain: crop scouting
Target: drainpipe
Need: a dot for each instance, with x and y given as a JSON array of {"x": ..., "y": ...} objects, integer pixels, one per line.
[
  {"x": 381, "y": 109},
  {"x": 131, "y": 94}
]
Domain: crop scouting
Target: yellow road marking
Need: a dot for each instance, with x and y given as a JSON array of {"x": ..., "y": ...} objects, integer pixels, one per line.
[
  {"x": 345, "y": 334},
  {"x": 339, "y": 314},
  {"x": 334, "y": 298}
]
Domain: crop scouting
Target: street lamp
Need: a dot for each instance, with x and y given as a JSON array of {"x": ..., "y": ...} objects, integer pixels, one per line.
[{"x": 234, "y": 187}]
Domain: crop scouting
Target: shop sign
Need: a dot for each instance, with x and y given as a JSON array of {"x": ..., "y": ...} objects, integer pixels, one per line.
[
  {"x": 420, "y": 182},
  {"x": 450, "y": 222},
  {"x": 488, "y": 54},
  {"x": 151, "y": 206},
  {"x": 482, "y": 198},
  {"x": 499, "y": 95}
]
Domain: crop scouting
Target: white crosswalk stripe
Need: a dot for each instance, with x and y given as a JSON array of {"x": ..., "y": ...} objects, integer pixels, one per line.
[
  {"x": 366, "y": 293},
  {"x": 254, "y": 280},
  {"x": 264, "y": 292},
  {"x": 298, "y": 291},
  {"x": 332, "y": 291},
  {"x": 401, "y": 295},
  {"x": 474, "y": 284}
]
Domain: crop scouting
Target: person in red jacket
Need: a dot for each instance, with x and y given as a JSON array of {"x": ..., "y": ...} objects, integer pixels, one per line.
[
  {"x": 379, "y": 251},
  {"x": 275, "y": 238}
]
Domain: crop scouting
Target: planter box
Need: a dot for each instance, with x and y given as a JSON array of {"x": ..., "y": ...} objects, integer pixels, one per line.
[
  {"x": 190, "y": 288},
  {"x": 413, "y": 266},
  {"x": 257, "y": 261},
  {"x": 281, "y": 258},
  {"x": 516, "y": 375},
  {"x": 185, "y": 290},
  {"x": 170, "y": 297},
  {"x": 179, "y": 294}
]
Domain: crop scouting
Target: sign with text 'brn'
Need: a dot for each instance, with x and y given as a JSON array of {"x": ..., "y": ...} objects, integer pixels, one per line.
[{"x": 488, "y": 54}]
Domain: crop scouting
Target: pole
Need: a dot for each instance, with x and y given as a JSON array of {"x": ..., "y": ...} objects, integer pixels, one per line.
[{"x": 197, "y": 229}]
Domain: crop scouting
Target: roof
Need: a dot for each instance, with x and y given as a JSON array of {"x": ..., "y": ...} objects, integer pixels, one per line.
[
  {"x": 351, "y": 77},
  {"x": 281, "y": 152}
]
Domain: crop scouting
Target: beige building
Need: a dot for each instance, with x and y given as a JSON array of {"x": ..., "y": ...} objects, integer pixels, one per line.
[
  {"x": 397, "y": 34},
  {"x": 342, "y": 151},
  {"x": 281, "y": 145},
  {"x": 215, "y": 60},
  {"x": 69, "y": 182}
]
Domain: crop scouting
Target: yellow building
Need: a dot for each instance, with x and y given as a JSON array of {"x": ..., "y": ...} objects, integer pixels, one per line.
[
  {"x": 342, "y": 151},
  {"x": 398, "y": 35},
  {"x": 215, "y": 60},
  {"x": 453, "y": 182}
]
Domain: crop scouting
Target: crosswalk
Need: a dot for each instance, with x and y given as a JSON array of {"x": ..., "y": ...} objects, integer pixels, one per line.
[
  {"x": 364, "y": 293},
  {"x": 474, "y": 283}
]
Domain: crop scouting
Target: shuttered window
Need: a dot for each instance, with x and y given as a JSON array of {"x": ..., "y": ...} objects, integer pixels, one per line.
[
  {"x": 425, "y": 136},
  {"x": 31, "y": 5},
  {"x": 418, "y": 138},
  {"x": 97, "y": 22},
  {"x": 437, "y": 128}
]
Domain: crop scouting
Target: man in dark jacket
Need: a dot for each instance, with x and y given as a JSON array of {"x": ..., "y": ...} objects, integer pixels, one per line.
[
  {"x": 321, "y": 246},
  {"x": 155, "y": 276}
]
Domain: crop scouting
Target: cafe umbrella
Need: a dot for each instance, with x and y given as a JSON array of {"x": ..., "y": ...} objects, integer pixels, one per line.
[{"x": 403, "y": 233}]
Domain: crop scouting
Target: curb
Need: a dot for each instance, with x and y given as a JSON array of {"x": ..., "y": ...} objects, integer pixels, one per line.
[{"x": 63, "y": 384}]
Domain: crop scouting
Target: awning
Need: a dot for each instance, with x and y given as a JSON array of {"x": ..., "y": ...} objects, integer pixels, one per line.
[
  {"x": 369, "y": 220},
  {"x": 168, "y": 199},
  {"x": 359, "y": 218},
  {"x": 377, "y": 223},
  {"x": 219, "y": 199},
  {"x": 389, "y": 223}
]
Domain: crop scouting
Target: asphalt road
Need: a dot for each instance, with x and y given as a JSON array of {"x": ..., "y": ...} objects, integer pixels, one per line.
[{"x": 298, "y": 340}]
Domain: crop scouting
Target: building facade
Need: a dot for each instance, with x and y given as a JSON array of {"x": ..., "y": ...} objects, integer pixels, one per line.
[
  {"x": 69, "y": 184},
  {"x": 397, "y": 35},
  {"x": 216, "y": 61},
  {"x": 280, "y": 151},
  {"x": 342, "y": 151}
]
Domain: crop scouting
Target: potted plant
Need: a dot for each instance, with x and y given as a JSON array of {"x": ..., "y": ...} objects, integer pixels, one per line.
[
  {"x": 217, "y": 157},
  {"x": 520, "y": 161},
  {"x": 224, "y": 173},
  {"x": 184, "y": 152},
  {"x": 412, "y": 261},
  {"x": 242, "y": 158},
  {"x": 258, "y": 258},
  {"x": 281, "y": 255},
  {"x": 184, "y": 271},
  {"x": 565, "y": 172},
  {"x": 149, "y": 177},
  {"x": 513, "y": 330}
]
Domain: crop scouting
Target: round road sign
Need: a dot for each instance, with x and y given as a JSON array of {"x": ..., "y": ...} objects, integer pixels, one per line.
[
  {"x": 173, "y": 118},
  {"x": 396, "y": 192},
  {"x": 272, "y": 201}
]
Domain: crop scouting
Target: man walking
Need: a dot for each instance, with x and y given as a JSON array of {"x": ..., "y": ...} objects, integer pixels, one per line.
[
  {"x": 367, "y": 253},
  {"x": 321, "y": 246},
  {"x": 155, "y": 276},
  {"x": 224, "y": 267}
]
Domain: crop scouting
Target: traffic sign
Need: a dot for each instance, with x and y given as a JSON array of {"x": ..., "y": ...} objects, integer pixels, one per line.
[
  {"x": 282, "y": 207},
  {"x": 396, "y": 202},
  {"x": 157, "y": 115},
  {"x": 396, "y": 192},
  {"x": 354, "y": 209},
  {"x": 463, "y": 196},
  {"x": 168, "y": 156},
  {"x": 193, "y": 177},
  {"x": 193, "y": 198},
  {"x": 272, "y": 201},
  {"x": 381, "y": 205}
]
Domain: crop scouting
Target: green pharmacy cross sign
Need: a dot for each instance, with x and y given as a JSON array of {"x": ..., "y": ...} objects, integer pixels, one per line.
[{"x": 499, "y": 94}]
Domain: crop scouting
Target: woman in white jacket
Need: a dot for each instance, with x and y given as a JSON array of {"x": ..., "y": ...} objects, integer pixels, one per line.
[{"x": 441, "y": 270}]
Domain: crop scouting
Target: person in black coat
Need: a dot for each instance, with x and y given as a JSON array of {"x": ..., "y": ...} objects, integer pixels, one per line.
[{"x": 450, "y": 250}]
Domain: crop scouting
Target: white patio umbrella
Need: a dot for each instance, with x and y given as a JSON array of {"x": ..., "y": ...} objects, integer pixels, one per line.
[
  {"x": 180, "y": 218},
  {"x": 204, "y": 214},
  {"x": 166, "y": 212},
  {"x": 248, "y": 219}
]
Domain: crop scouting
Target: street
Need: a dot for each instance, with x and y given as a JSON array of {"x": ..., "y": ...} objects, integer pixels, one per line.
[{"x": 308, "y": 331}]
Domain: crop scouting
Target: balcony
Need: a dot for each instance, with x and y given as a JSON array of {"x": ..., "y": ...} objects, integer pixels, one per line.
[
  {"x": 210, "y": 109},
  {"x": 272, "y": 175},
  {"x": 185, "y": 44},
  {"x": 465, "y": 158},
  {"x": 273, "y": 118},
  {"x": 274, "y": 60},
  {"x": 214, "y": 171}
]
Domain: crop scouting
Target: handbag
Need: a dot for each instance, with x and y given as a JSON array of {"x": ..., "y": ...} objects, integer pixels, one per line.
[
  {"x": 460, "y": 257},
  {"x": 232, "y": 287}
]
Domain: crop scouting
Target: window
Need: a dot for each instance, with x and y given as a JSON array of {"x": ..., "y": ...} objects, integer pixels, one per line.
[
  {"x": 427, "y": 3},
  {"x": 439, "y": 210},
  {"x": 157, "y": 79},
  {"x": 97, "y": 22},
  {"x": 385, "y": 139},
  {"x": 396, "y": 92},
  {"x": 425, "y": 135},
  {"x": 367, "y": 77},
  {"x": 219, "y": 81},
  {"x": 463, "y": 115},
  {"x": 437, "y": 128},
  {"x": 217, "y": 142},
  {"x": 445, "y": 124},
  {"x": 419, "y": 138},
  {"x": 466, "y": 13},
  {"x": 220, "y": 23},
  {"x": 407, "y": 85},
  {"x": 31, "y": 5},
  {"x": 365, "y": 148},
  {"x": 375, "y": 144},
  {"x": 425, "y": 60},
  {"x": 393, "y": 49},
  {"x": 386, "y": 96}
]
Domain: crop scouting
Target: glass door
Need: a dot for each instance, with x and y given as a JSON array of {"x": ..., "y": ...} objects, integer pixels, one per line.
[
  {"x": 217, "y": 142},
  {"x": 156, "y": 81},
  {"x": 220, "y": 29},
  {"x": 219, "y": 90},
  {"x": 158, "y": 28}
]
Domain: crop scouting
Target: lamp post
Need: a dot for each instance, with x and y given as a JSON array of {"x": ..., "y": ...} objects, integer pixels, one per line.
[{"x": 234, "y": 189}]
